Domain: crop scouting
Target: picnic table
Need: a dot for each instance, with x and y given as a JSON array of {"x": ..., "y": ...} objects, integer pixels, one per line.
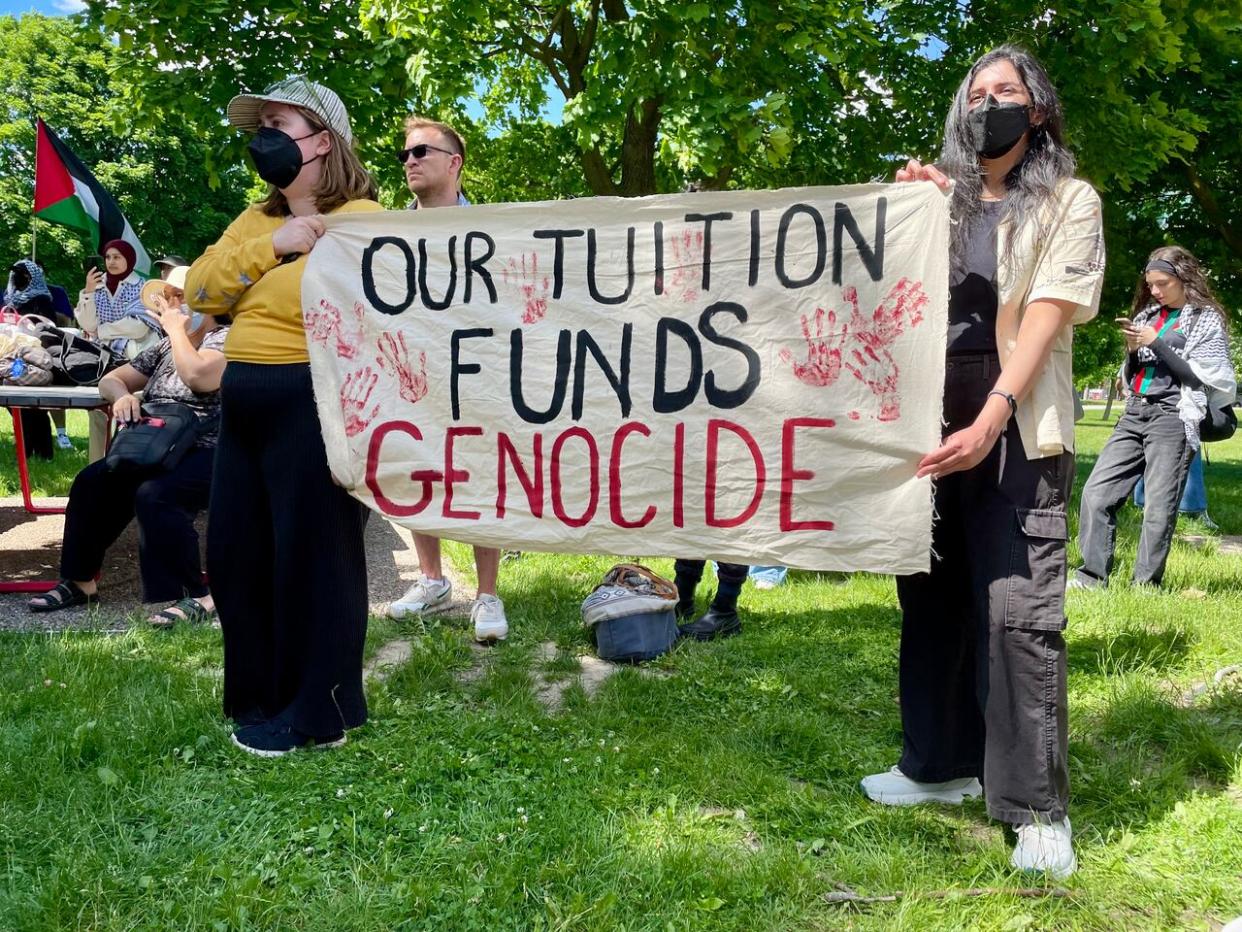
[{"x": 45, "y": 398}]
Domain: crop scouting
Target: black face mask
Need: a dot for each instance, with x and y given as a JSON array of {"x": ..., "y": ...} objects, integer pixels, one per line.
[
  {"x": 276, "y": 155},
  {"x": 995, "y": 128}
]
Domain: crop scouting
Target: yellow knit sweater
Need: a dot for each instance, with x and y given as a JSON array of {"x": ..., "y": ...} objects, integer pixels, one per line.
[{"x": 240, "y": 275}]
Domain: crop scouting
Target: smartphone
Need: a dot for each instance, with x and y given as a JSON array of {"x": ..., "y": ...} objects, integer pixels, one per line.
[
  {"x": 1122, "y": 321},
  {"x": 93, "y": 262}
]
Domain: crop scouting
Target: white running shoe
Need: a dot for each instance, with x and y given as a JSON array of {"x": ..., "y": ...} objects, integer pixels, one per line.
[
  {"x": 488, "y": 615},
  {"x": 894, "y": 788},
  {"x": 1045, "y": 849},
  {"x": 424, "y": 594}
]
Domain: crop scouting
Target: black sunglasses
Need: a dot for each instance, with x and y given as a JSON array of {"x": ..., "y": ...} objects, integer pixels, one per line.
[{"x": 419, "y": 152}]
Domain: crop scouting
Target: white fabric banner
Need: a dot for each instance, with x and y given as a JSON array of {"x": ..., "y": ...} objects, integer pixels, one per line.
[{"x": 749, "y": 376}]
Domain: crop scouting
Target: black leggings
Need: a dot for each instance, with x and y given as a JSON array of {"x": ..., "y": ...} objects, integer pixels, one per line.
[{"x": 286, "y": 558}]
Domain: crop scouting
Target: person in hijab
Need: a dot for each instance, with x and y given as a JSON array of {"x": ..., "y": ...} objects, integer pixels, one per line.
[
  {"x": 27, "y": 293},
  {"x": 110, "y": 310},
  {"x": 110, "y": 306}
]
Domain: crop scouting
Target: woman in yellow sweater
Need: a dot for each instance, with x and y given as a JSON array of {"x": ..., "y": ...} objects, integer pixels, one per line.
[{"x": 284, "y": 544}]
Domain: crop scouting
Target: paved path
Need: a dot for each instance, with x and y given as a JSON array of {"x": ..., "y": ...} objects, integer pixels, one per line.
[{"x": 30, "y": 549}]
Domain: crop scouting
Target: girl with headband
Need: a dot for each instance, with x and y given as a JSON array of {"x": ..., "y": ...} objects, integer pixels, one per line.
[{"x": 1177, "y": 372}]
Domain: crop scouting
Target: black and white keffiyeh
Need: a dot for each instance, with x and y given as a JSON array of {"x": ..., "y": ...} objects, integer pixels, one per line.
[{"x": 1207, "y": 353}]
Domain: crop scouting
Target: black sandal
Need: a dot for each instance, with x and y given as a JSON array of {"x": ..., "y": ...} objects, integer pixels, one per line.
[
  {"x": 192, "y": 612},
  {"x": 64, "y": 595}
]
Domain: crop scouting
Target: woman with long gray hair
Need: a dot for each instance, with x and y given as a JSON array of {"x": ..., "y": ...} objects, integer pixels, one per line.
[
  {"x": 1177, "y": 373},
  {"x": 982, "y": 668}
]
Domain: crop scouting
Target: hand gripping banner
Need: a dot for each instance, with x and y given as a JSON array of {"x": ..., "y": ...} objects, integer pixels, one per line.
[{"x": 750, "y": 376}]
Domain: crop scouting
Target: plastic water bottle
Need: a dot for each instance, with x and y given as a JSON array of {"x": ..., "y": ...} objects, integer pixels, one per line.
[{"x": 17, "y": 369}]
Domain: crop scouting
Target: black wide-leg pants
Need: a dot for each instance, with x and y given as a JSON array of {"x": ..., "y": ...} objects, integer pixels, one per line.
[{"x": 285, "y": 557}]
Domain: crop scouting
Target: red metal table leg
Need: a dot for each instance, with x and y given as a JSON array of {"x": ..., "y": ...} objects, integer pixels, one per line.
[
  {"x": 23, "y": 472},
  {"x": 23, "y": 468}
]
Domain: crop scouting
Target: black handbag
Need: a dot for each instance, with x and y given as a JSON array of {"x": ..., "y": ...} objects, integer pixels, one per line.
[
  {"x": 1218, "y": 424},
  {"x": 159, "y": 441},
  {"x": 75, "y": 360}
]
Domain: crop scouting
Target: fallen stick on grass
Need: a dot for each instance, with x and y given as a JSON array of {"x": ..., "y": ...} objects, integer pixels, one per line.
[{"x": 844, "y": 894}]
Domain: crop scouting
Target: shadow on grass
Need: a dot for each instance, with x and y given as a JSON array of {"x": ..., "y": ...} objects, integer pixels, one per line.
[
  {"x": 1153, "y": 649},
  {"x": 1145, "y": 753}
]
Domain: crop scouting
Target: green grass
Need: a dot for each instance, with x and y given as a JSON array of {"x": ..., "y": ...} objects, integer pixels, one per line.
[
  {"x": 46, "y": 477},
  {"x": 123, "y": 806}
]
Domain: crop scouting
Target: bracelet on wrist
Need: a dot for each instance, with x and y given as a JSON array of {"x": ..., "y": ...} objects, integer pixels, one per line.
[{"x": 1013, "y": 402}]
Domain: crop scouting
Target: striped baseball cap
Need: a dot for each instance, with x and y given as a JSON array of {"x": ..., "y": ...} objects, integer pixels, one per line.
[{"x": 300, "y": 91}]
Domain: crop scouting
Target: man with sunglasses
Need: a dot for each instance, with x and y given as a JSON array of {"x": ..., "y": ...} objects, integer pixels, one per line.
[{"x": 433, "y": 158}]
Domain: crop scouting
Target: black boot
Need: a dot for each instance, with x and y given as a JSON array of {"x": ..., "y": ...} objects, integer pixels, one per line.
[
  {"x": 687, "y": 580},
  {"x": 719, "y": 621}
]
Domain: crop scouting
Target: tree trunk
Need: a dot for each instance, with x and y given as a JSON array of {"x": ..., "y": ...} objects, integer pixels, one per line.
[
  {"x": 718, "y": 181},
  {"x": 638, "y": 149},
  {"x": 1203, "y": 193},
  {"x": 598, "y": 177}
]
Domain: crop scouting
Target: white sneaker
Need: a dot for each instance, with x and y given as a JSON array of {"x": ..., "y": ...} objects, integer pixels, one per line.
[
  {"x": 894, "y": 788},
  {"x": 488, "y": 615},
  {"x": 1045, "y": 849},
  {"x": 424, "y": 594}
]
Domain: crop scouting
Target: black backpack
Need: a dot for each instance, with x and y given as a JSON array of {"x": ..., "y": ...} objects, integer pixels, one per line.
[{"x": 75, "y": 360}]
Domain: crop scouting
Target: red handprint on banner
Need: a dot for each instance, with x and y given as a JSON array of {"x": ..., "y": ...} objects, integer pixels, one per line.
[
  {"x": 861, "y": 345},
  {"x": 327, "y": 321},
  {"x": 878, "y": 371},
  {"x": 823, "y": 351},
  {"x": 685, "y": 274},
  {"x": 355, "y": 396},
  {"x": 902, "y": 306},
  {"x": 349, "y": 333},
  {"x": 395, "y": 358},
  {"x": 523, "y": 273},
  {"x": 321, "y": 321}
]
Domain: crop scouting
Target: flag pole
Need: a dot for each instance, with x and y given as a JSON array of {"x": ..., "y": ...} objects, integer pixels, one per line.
[{"x": 34, "y": 220}]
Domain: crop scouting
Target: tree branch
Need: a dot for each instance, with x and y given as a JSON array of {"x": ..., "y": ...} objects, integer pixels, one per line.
[
  {"x": 1203, "y": 193},
  {"x": 588, "y": 43},
  {"x": 543, "y": 54},
  {"x": 598, "y": 177},
  {"x": 615, "y": 11}
]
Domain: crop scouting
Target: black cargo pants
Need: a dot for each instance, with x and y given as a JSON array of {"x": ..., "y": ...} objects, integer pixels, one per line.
[{"x": 982, "y": 669}]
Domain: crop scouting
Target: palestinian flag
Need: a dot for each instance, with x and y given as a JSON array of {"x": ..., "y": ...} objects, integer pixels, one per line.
[{"x": 67, "y": 193}]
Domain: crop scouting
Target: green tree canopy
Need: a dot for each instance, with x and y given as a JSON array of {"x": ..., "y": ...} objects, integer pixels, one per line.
[
  {"x": 75, "y": 79},
  {"x": 750, "y": 93}
]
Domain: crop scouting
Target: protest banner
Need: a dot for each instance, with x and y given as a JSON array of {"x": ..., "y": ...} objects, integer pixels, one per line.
[{"x": 747, "y": 376}]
